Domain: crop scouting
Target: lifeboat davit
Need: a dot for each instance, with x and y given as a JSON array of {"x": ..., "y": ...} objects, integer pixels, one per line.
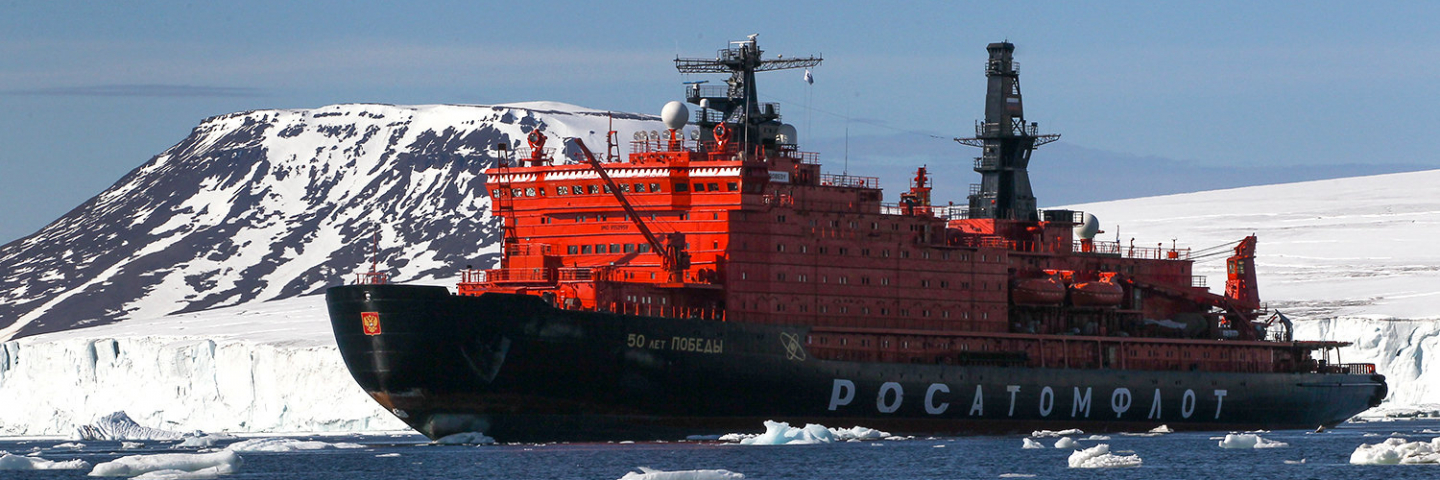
[
  {"x": 1102, "y": 292},
  {"x": 1037, "y": 291}
]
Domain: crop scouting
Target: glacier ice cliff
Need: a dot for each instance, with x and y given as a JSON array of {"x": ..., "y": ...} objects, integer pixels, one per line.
[{"x": 51, "y": 386}]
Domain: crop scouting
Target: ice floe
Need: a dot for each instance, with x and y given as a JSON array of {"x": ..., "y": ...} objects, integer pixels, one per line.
[
  {"x": 647, "y": 473},
  {"x": 1397, "y": 451},
  {"x": 171, "y": 465},
  {"x": 1031, "y": 443},
  {"x": 1064, "y": 442},
  {"x": 1249, "y": 440},
  {"x": 465, "y": 438},
  {"x": 1096, "y": 438},
  {"x": 119, "y": 426},
  {"x": 17, "y": 462},
  {"x": 1052, "y": 433},
  {"x": 286, "y": 445},
  {"x": 202, "y": 440},
  {"x": 1099, "y": 456},
  {"x": 781, "y": 433}
]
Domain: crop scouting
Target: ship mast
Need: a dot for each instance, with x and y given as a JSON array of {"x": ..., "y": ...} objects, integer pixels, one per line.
[
  {"x": 738, "y": 104},
  {"x": 1007, "y": 141}
]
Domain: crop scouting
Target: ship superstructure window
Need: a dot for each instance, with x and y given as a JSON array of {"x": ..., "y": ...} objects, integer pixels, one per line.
[
  {"x": 629, "y": 248},
  {"x": 780, "y": 247},
  {"x": 639, "y": 188},
  {"x": 624, "y": 188},
  {"x": 654, "y": 188},
  {"x": 594, "y": 189},
  {"x": 562, "y": 190},
  {"x": 699, "y": 187},
  {"x": 614, "y": 248},
  {"x": 644, "y": 248},
  {"x": 732, "y": 186},
  {"x": 584, "y": 249},
  {"x": 682, "y": 187},
  {"x": 572, "y": 249}
]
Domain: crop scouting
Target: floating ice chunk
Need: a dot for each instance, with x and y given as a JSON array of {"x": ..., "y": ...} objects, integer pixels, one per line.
[
  {"x": 221, "y": 462},
  {"x": 119, "y": 426},
  {"x": 131, "y": 445},
  {"x": 781, "y": 433},
  {"x": 286, "y": 445},
  {"x": 1247, "y": 440},
  {"x": 1099, "y": 456},
  {"x": 16, "y": 462},
  {"x": 1051, "y": 433},
  {"x": 1396, "y": 451},
  {"x": 859, "y": 433},
  {"x": 1096, "y": 438},
  {"x": 69, "y": 446},
  {"x": 202, "y": 440},
  {"x": 387, "y": 455},
  {"x": 647, "y": 473},
  {"x": 1295, "y": 462},
  {"x": 1029, "y": 443},
  {"x": 1017, "y": 475},
  {"x": 1162, "y": 429},
  {"x": 204, "y": 473},
  {"x": 465, "y": 438},
  {"x": 1064, "y": 442}
]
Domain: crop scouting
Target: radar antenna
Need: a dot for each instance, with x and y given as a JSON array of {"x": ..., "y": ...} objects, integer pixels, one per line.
[{"x": 739, "y": 104}]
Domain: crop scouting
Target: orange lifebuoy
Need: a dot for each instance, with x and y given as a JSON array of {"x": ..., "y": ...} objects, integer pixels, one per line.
[{"x": 722, "y": 133}]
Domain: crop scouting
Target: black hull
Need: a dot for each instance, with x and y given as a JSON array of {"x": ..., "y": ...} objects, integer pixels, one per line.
[{"x": 515, "y": 368}]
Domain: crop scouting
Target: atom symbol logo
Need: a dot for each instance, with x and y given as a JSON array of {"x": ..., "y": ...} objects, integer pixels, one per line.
[{"x": 793, "y": 350}]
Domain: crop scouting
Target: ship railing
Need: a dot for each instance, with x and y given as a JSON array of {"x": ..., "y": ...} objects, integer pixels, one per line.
[
  {"x": 667, "y": 311},
  {"x": 1131, "y": 251},
  {"x": 529, "y": 249},
  {"x": 575, "y": 274},
  {"x": 664, "y": 144},
  {"x": 524, "y": 155},
  {"x": 372, "y": 278},
  {"x": 832, "y": 180},
  {"x": 906, "y": 209},
  {"x": 519, "y": 275},
  {"x": 952, "y": 212}
]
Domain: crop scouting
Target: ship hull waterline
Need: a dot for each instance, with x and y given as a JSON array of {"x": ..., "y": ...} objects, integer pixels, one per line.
[{"x": 517, "y": 369}]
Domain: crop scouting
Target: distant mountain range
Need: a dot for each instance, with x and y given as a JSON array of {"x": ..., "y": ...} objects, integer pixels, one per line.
[{"x": 271, "y": 204}]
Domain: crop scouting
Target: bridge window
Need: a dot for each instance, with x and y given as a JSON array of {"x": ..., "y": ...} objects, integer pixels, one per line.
[
  {"x": 614, "y": 248},
  {"x": 562, "y": 190},
  {"x": 682, "y": 187},
  {"x": 713, "y": 187},
  {"x": 699, "y": 187},
  {"x": 572, "y": 249},
  {"x": 732, "y": 186},
  {"x": 629, "y": 248},
  {"x": 594, "y": 189},
  {"x": 607, "y": 189},
  {"x": 624, "y": 188},
  {"x": 654, "y": 188},
  {"x": 644, "y": 248},
  {"x": 639, "y": 188},
  {"x": 584, "y": 249}
]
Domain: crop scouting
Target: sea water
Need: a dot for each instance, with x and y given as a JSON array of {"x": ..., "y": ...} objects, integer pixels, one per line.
[{"x": 1187, "y": 455}]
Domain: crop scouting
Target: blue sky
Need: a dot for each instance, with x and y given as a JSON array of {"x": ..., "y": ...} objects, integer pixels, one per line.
[{"x": 91, "y": 90}]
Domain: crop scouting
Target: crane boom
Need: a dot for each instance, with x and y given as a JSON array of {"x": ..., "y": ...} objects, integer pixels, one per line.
[{"x": 672, "y": 256}]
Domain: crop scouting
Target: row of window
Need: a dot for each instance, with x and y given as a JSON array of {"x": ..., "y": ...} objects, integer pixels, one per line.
[
  {"x": 601, "y": 248},
  {"x": 596, "y": 189},
  {"x": 885, "y": 253}
]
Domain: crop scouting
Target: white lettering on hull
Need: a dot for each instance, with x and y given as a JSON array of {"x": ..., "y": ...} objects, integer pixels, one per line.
[{"x": 890, "y": 397}]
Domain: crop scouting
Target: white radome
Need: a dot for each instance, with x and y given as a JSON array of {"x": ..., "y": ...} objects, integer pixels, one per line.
[{"x": 675, "y": 115}]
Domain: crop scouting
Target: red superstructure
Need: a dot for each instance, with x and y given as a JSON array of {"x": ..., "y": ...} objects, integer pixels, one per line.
[{"x": 739, "y": 225}]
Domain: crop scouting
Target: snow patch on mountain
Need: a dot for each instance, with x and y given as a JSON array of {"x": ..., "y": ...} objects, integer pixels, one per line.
[{"x": 272, "y": 204}]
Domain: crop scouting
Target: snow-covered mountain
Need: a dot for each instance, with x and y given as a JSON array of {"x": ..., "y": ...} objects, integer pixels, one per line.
[{"x": 272, "y": 204}]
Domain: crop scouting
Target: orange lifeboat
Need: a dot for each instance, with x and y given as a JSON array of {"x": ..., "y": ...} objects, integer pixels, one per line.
[
  {"x": 1101, "y": 292},
  {"x": 1037, "y": 291}
]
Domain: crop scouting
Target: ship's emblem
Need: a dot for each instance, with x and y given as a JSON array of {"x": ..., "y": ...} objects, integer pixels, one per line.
[
  {"x": 793, "y": 350},
  {"x": 370, "y": 321}
]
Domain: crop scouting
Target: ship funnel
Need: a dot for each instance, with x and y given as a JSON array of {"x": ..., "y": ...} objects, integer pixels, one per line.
[
  {"x": 675, "y": 115},
  {"x": 1087, "y": 229}
]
